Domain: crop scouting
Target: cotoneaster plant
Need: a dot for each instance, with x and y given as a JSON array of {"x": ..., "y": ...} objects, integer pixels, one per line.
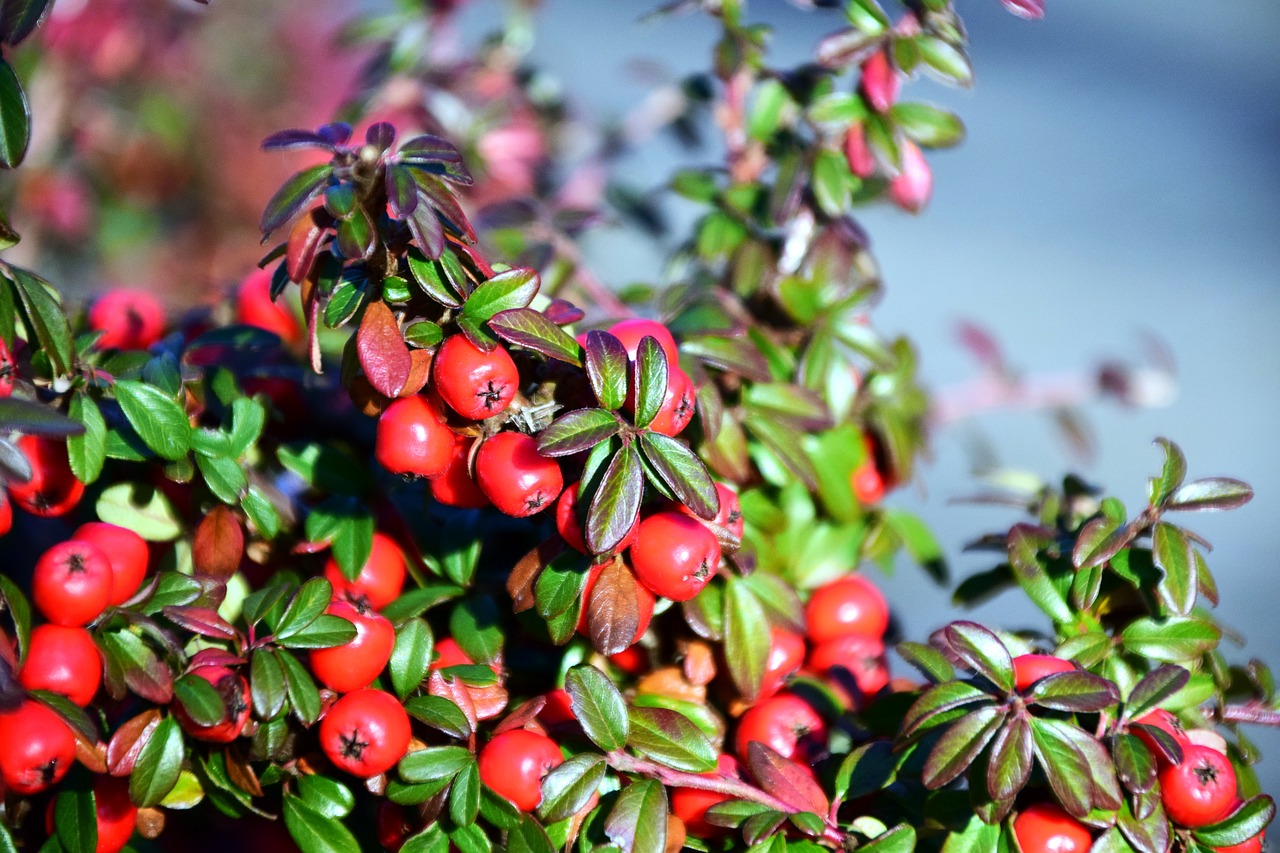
[{"x": 429, "y": 540}]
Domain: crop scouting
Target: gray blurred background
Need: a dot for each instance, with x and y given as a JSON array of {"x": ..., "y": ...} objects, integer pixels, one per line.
[{"x": 1121, "y": 176}]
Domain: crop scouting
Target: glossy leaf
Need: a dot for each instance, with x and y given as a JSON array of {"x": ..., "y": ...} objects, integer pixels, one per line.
[
  {"x": 410, "y": 656},
  {"x": 157, "y": 417},
  {"x": 960, "y": 745},
  {"x": 598, "y": 706},
  {"x": 1171, "y": 640},
  {"x": 1243, "y": 823},
  {"x": 576, "y": 431},
  {"x": 15, "y": 118},
  {"x": 746, "y": 638},
  {"x": 616, "y": 503},
  {"x": 682, "y": 472},
  {"x": 1024, "y": 543},
  {"x": 383, "y": 354},
  {"x": 983, "y": 652},
  {"x": 439, "y": 713},
  {"x": 1079, "y": 692},
  {"x": 43, "y": 316},
  {"x": 638, "y": 821},
  {"x": 505, "y": 291},
  {"x": 1154, "y": 688},
  {"x": 1211, "y": 493},
  {"x": 568, "y": 788},
  {"x": 1009, "y": 767},
  {"x": 293, "y": 196},
  {"x": 314, "y": 832},
  {"x": 939, "y": 699},
  {"x": 533, "y": 330},
  {"x": 670, "y": 739},
  {"x": 607, "y": 371},
  {"x": 1064, "y": 766},
  {"x": 650, "y": 385},
  {"x": 158, "y": 764}
]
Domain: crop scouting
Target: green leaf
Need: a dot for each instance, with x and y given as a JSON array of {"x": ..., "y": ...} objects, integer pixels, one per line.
[
  {"x": 464, "y": 795},
  {"x": 1171, "y": 475},
  {"x": 616, "y": 503},
  {"x": 475, "y": 625},
  {"x": 983, "y": 652},
  {"x": 435, "y": 279},
  {"x": 938, "y": 700},
  {"x": 899, "y": 839},
  {"x": 651, "y": 375},
  {"x": 607, "y": 369},
  {"x": 157, "y": 418},
  {"x": 932, "y": 663},
  {"x": 19, "y": 611},
  {"x": 1079, "y": 692},
  {"x": 598, "y": 706},
  {"x": 529, "y": 837},
  {"x": 533, "y": 330},
  {"x": 1172, "y": 640},
  {"x": 960, "y": 745},
  {"x": 1064, "y": 766},
  {"x": 31, "y": 418},
  {"x": 949, "y": 61},
  {"x": 514, "y": 288},
  {"x": 15, "y": 118},
  {"x": 1009, "y": 766},
  {"x": 304, "y": 607},
  {"x": 577, "y": 431},
  {"x": 638, "y": 821},
  {"x": 88, "y": 451},
  {"x": 200, "y": 700},
  {"x": 261, "y": 512},
  {"x": 832, "y": 182},
  {"x": 314, "y": 832},
  {"x": 224, "y": 476},
  {"x": 1155, "y": 687},
  {"x": 434, "y": 763},
  {"x": 346, "y": 523},
  {"x": 439, "y": 713},
  {"x": 75, "y": 819},
  {"x": 159, "y": 763},
  {"x": 326, "y": 795},
  {"x": 671, "y": 739},
  {"x": 293, "y": 196},
  {"x": 266, "y": 684},
  {"x": 869, "y": 768},
  {"x": 430, "y": 840},
  {"x": 1135, "y": 765},
  {"x": 1028, "y": 568},
  {"x": 1244, "y": 823},
  {"x": 1172, "y": 553},
  {"x": 132, "y": 664},
  {"x": 43, "y": 315},
  {"x": 682, "y": 472},
  {"x": 423, "y": 334},
  {"x": 410, "y": 657},
  {"x": 568, "y": 788},
  {"x": 746, "y": 638},
  {"x": 560, "y": 583},
  {"x": 928, "y": 125},
  {"x": 324, "y": 632},
  {"x": 248, "y": 416},
  {"x": 304, "y": 697}
]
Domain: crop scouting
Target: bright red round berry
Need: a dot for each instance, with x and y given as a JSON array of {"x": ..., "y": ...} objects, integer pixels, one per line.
[
  {"x": 514, "y": 762},
  {"x": 1253, "y": 845},
  {"x": 515, "y": 477},
  {"x": 234, "y": 691},
  {"x": 116, "y": 814},
  {"x": 730, "y": 515},
  {"x": 63, "y": 660},
  {"x": 352, "y": 666},
  {"x": 413, "y": 438},
  {"x": 854, "y": 665},
  {"x": 632, "y": 332},
  {"x": 1028, "y": 669},
  {"x": 786, "y": 723},
  {"x": 380, "y": 579},
  {"x": 674, "y": 555},
  {"x": 8, "y": 370},
  {"x": 365, "y": 732},
  {"x": 850, "y": 605},
  {"x": 691, "y": 804},
  {"x": 254, "y": 307},
  {"x": 126, "y": 551},
  {"x": 456, "y": 487},
  {"x": 392, "y": 825},
  {"x": 1047, "y": 828},
  {"x": 36, "y": 748},
  {"x": 71, "y": 584},
  {"x": 476, "y": 384},
  {"x": 678, "y": 404},
  {"x": 52, "y": 490},
  {"x": 1200, "y": 790},
  {"x": 786, "y": 654},
  {"x": 128, "y": 319}
]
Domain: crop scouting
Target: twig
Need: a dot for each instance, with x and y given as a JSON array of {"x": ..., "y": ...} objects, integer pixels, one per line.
[{"x": 1254, "y": 712}]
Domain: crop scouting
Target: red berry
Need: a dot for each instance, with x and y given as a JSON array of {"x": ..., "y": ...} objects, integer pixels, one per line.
[
  {"x": 354, "y": 665},
  {"x": 128, "y": 319},
  {"x": 644, "y": 599},
  {"x": 71, "y": 584},
  {"x": 786, "y": 723},
  {"x": 52, "y": 490},
  {"x": 569, "y": 515},
  {"x": 234, "y": 691},
  {"x": 1028, "y": 669},
  {"x": 786, "y": 653},
  {"x": 449, "y": 653},
  {"x": 413, "y": 438},
  {"x": 854, "y": 664},
  {"x": 674, "y": 555},
  {"x": 126, "y": 551},
  {"x": 558, "y": 710},
  {"x": 8, "y": 370},
  {"x": 456, "y": 487},
  {"x": 851, "y": 605},
  {"x": 116, "y": 813},
  {"x": 36, "y": 748},
  {"x": 254, "y": 307},
  {"x": 1047, "y": 828},
  {"x": 857, "y": 152},
  {"x": 879, "y": 82},
  {"x": 63, "y": 660},
  {"x": 678, "y": 404},
  {"x": 476, "y": 384},
  {"x": 1200, "y": 790},
  {"x": 513, "y": 764},
  {"x": 911, "y": 188},
  {"x": 631, "y": 332},
  {"x": 392, "y": 825},
  {"x": 1253, "y": 845},
  {"x": 6, "y": 512},
  {"x": 515, "y": 477},
  {"x": 365, "y": 732},
  {"x": 730, "y": 515},
  {"x": 380, "y": 579},
  {"x": 691, "y": 804},
  {"x": 1170, "y": 725},
  {"x": 633, "y": 660}
]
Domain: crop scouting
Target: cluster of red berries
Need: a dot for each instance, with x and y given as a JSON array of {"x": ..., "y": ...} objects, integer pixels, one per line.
[{"x": 1197, "y": 781}]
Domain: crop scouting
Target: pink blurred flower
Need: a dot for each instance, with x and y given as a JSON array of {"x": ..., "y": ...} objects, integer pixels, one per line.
[{"x": 911, "y": 189}]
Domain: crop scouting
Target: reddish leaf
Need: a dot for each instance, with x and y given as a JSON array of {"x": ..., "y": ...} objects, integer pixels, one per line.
[
  {"x": 1032, "y": 10},
  {"x": 786, "y": 780},
  {"x": 613, "y": 613},
  {"x": 215, "y": 657},
  {"x": 521, "y": 716},
  {"x": 384, "y": 356},
  {"x": 127, "y": 742},
  {"x": 525, "y": 573},
  {"x": 456, "y": 692},
  {"x": 202, "y": 621},
  {"x": 219, "y": 544},
  {"x": 304, "y": 243}
]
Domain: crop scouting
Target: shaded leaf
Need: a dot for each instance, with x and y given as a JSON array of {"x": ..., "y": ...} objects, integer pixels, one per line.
[
  {"x": 670, "y": 738},
  {"x": 598, "y": 706},
  {"x": 15, "y": 118},
  {"x": 1211, "y": 493},
  {"x": 638, "y": 821},
  {"x": 983, "y": 652},
  {"x": 616, "y": 503},
  {"x": 576, "y": 431},
  {"x": 531, "y": 329},
  {"x": 960, "y": 745}
]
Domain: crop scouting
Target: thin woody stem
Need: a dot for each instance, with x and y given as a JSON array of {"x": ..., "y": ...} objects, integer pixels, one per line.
[{"x": 1254, "y": 712}]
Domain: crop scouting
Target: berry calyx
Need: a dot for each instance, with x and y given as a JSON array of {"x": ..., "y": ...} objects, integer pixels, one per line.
[
  {"x": 514, "y": 762},
  {"x": 354, "y": 665},
  {"x": 365, "y": 732},
  {"x": 476, "y": 384},
  {"x": 1199, "y": 790},
  {"x": 412, "y": 438},
  {"x": 52, "y": 490},
  {"x": 729, "y": 516},
  {"x": 784, "y": 722},
  {"x": 515, "y": 477},
  {"x": 674, "y": 555}
]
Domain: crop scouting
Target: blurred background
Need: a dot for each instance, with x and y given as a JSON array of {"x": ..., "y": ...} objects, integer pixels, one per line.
[{"x": 1117, "y": 199}]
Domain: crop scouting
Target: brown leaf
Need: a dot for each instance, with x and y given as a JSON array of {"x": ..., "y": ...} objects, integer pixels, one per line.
[
  {"x": 490, "y": 701},
  {"x": 786, "y": 780},
  {"x": 525, "y": 573},
  {"x": 419, "y": 372},
  {"x": 698, "y": 661},
  {"x": 368, "y": 401},
  {"x": 202, "y": 621},
  {"x": 92, "y": 755},
  {"x": 675, "y": 834},
  {"x": 241, "y": 774},
  {"x": 150, "y": 823},
  {"x": 613, "y": 613},
  {"x": 127, "y": 742},
  {"x": 670, "y": 681},
  {"x": 384, "y": 356},
  {"x": 219, "y": 544},
  {"x": 456, "y": 692},
  {"x": 522, "y": 716}
]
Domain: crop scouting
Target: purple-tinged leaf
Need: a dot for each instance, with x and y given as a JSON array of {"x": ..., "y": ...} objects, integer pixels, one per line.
[
  {"x": 1032, "y": 10},
  {"x": 305, "y": 240},
  {"x": 847, "y": 47},
  {"x": 734, "y": 354},
  {"x": 288, "y": 140},
  {"x": 1174, "y": 555},
  {"x": 130, "y": 664},
  {"x": 1155, "y": 687},
  {"x": 383, "y": 354},
  {"x": 786, "y": 780},
  {"x": 435, "y": 193},
  {"x": 357, "y": 237},
  {"x": 340, "y": 200},
  {"x": 567, "y": 789},
  {"x": 607, "y": 369},
  {"x": 956, "y": 750},
  {"x": 671, "y": 739},
  {"x": 683, "y": 473},
  {"x": 1098, "y": 541},
  {"x": 202, "y": 621},
  {"x": 337, "y": 132},
  {"x": 937, "y": 700},
  {"x": 1064, "y": 766},
  {"x": 297, "y": 193},
  {"x": 1150, "y": 834},
  {"x": 1106, "y": 787},
  {"x": 1024, "y": 544},
  {"x": 381, "y": 135},
  {"x": 402, "y": 191},
  {"x": 562, "y": 312},
  {"x": 638, "y": 821},
  {"x": 1079, "y": 692},
  {"x": 983, "y": 652},
  {"x": 1135, "y": 766},
  {"x": 1172, "y": 474},
  {"x": 931, "y": 663},
  {"x": 1012, "y": 753},
  {"x": 616, "y": 503},
  {"x": 576, "y": 431},
  {"x": 19, "y": 18},
  {"x": 427, "y": 231},
  {"x": 651, "y": 373},
  {"x": 533, "y": 330},
  {"x": 613, "y": 612},
  {"x": 1210, "y": 493},
  {"x": 435, "y": 156},
  {"x": 1245, "y": 822},
  {"x": 1161, "y": 743}
]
